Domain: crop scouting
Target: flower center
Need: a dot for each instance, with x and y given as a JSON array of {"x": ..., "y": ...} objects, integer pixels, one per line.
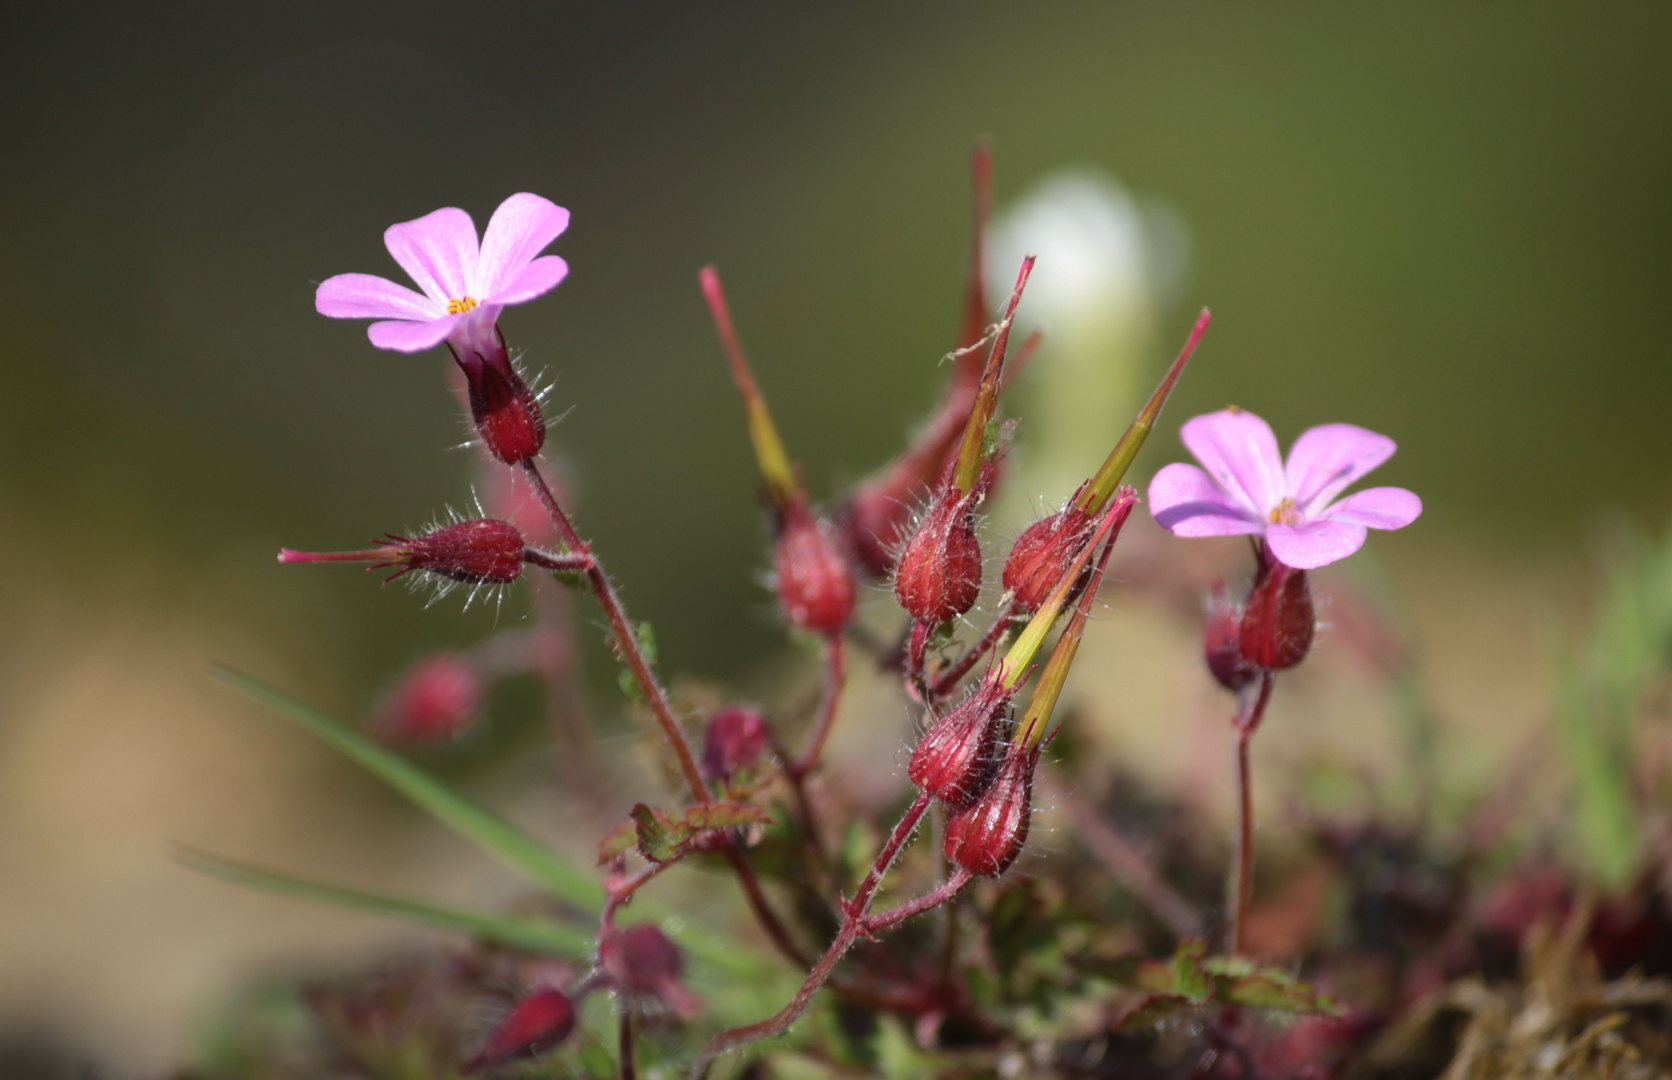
[
  {"x": 1285, "y": 513},
  {"x": 459, "y": 307}
]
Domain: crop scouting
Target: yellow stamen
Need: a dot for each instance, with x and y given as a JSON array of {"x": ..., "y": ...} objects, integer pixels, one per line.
[
  {"x": 1285, "y": 513},
  {"x": 459, "y": 307}
]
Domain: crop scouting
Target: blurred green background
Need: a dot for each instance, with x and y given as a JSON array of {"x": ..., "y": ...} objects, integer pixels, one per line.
[{"x": 1445, "y": 222}]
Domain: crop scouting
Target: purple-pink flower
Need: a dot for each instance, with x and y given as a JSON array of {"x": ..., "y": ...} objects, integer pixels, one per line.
[
  {"x": 1248, "y": 488},
  {"x": 464, "y": 284}
]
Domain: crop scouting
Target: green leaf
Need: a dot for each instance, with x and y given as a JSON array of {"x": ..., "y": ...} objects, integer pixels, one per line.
[
  {"x": 661, "y": 837},
  {"x": 475, "y": 823},
  {"x": 533, "y": 935},
  {"x": 656, "y": 833},
  {"x": 1242, "y": 982},
  {"x": 1192, "y": 979}
]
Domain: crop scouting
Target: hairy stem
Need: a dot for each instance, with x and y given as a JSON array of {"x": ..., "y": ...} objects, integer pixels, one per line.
[
  {"x": 622, "y": 631},
  {"x": 947, "y": 889},
  {"x": 1242, "y": 894},
  {"x": 835, "y": 677},
  {"x": 852, "y": 927},
  {"x": 946, "y": 680},
  {"x": 628, "y": 1071}
]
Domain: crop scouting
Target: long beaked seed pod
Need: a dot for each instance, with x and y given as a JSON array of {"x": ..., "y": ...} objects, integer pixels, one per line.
[
  {"x": 955, "y": 758},
  {"x": 481, "y": 551},
  {"x": 986, "y": 836},
  {"x": 939, "y": 574}
]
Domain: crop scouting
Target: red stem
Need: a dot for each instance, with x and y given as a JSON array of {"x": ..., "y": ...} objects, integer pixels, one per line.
[
  {"x": 1243, "y": 891},
  {"x": 835, "y": 676},
  {"x": 945, "y": 681},
  {"x": 566, "y": 563},
  {"x": 948, "y": 889},
  {"x": 852, "y": 928},
  {"x": 628, "y": 1070},
  {"x": 622, "y": 631}
]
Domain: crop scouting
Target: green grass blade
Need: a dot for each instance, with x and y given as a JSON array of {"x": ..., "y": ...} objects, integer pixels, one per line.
[
  {"x": 475, "y": 823},
  {"x": 533, "y": 935}
]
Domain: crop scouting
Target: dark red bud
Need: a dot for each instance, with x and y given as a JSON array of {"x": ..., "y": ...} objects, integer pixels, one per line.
[
  {"x": 505, "y": 410},
  {"x": 641, "y": 961},
  {"x": 537, "y": 1024},
  {"x": 986, "y": 836},
  {"x": 435, "y": 699},
  {"x": 815, "y": 583},
  {"x": 1278, "y": 621},
  {"x": 954, "y": 760},
  {"x": 735, "y": 739},
  {"x": 1222, "y": 645},
  {"x": 939, "y": 576},
  {"x": 1043, "y": 554},
  {"x": 485, "y": 551}
]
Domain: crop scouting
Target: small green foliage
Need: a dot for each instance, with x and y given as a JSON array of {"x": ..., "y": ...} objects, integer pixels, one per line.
[
  {"x": 645, "y": 635},
  {"x": 662, "y": 837},
  {"x": 1192, "y": 979}
]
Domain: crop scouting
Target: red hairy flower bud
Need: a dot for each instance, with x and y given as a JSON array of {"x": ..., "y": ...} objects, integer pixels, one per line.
[
  {"x": 435, "y": 699},
  {"x": 1222, "y": 644},
  {"x": 986, "y": 836},
  {"x": 1043, "y": 554},
  {"x": 641, "y": 961},
  {"x": 505, "y": 410},
  {"x": 814, "y": 581},
  {"x": 735, "y": 739},
  {"x": 1278, "y": 621},
  {"x": 954, "y": 759},
  {"x": 538, "y": 1023},
  {"x": 939, "y": 576},
  {"x": 483, "y": 551}
]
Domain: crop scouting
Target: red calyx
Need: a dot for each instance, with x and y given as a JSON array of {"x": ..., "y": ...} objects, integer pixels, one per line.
[
  {"x": 1278, "y": 621},
  {"x": 641, "y": 961},
  {"x": 986, "y": 836},
  {"x": 482, "y": 551},
  {"x": 954, "y": 760},
  {"x": 1043, "y": 553},
  {"x": 1222, "y": 645},
  {"x": 939, "y": 576},
  {"x": 537, "y": 1024},
  {"x": 505, "y": 410},
  {"x": 736, "y": 738},
  {"x": 435, "y": 699},
  {"x": 814, "y": 581}
]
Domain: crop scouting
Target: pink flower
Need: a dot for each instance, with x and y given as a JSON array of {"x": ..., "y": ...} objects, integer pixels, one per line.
[
  {"x": 1249, "y": 489},
  {"x": 464, "y": 285}
]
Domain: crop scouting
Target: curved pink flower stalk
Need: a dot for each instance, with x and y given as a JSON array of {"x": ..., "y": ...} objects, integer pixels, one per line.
[
  {"x": 1248, "y": 488},
  {"x": 465, "y": 285}
]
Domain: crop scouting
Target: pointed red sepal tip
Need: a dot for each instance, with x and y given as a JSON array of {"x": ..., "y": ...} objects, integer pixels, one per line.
[
  {"x": 538, "y": 1023},
  {"x": 939, "y": 573},
  {"x": 436, "y": 699},
  {"x": 954, "y": 760},
  {"x": 986, "y": 836},
  {"x": 1044, "y": 552},
  {"x": 1278, "y": 621},
  {"x": 735, "y": 739},
  {"x": 814, "y": 580},
  {"x": 505, "y": 411},
  {"x": 642, "y": 962}
]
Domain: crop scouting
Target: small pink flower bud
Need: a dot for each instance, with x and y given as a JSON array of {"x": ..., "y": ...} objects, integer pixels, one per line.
[
  {"x": 641, "y": 961},
  {"x": 986, "y": 836},
  {"x": 1278, "y": 621},
  {"x": 537, "y": 1024},
  {"x": 954, "y": 760},
  {"x": 815, "y": 583},
  {"x": 435, "y": 699},
  {"x": 939, "y": 575},
  {"x": 736, "y": 738},
  {"x": 483, "y": 551},
  {"x": 505, "y": 410},
  {"x": 1043, "y": 554},
  {"x": 1222, "y": 644}
]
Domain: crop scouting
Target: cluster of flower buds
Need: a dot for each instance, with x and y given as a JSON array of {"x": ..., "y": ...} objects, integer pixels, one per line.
[
  {"x": 480, "y": 551},
  {"x": 812, "y": 574}
]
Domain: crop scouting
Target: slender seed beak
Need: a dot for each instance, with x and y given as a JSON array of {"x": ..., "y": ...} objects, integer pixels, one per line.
[{"x": 781, "y": 481}]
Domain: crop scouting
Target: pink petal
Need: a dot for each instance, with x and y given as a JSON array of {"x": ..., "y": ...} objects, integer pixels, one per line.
[
  {"x": 1185, "y": 501},
  {"x": 364, "y": 296},
  {"x": 541, "y": 275},
  {"x": 1315, "y": 544},
  {"x": 1379, "y": 508},
  {"x": 438, "y": 250},
  {"x": 1324, "y": 460},
  {"x": 411, "y": 336},
  {"x": 1239, "y": 451},
  {"x": 519, "y": 230}
]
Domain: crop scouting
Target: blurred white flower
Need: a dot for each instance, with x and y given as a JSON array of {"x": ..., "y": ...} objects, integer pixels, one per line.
[{"x": 1107, "y": 264}]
